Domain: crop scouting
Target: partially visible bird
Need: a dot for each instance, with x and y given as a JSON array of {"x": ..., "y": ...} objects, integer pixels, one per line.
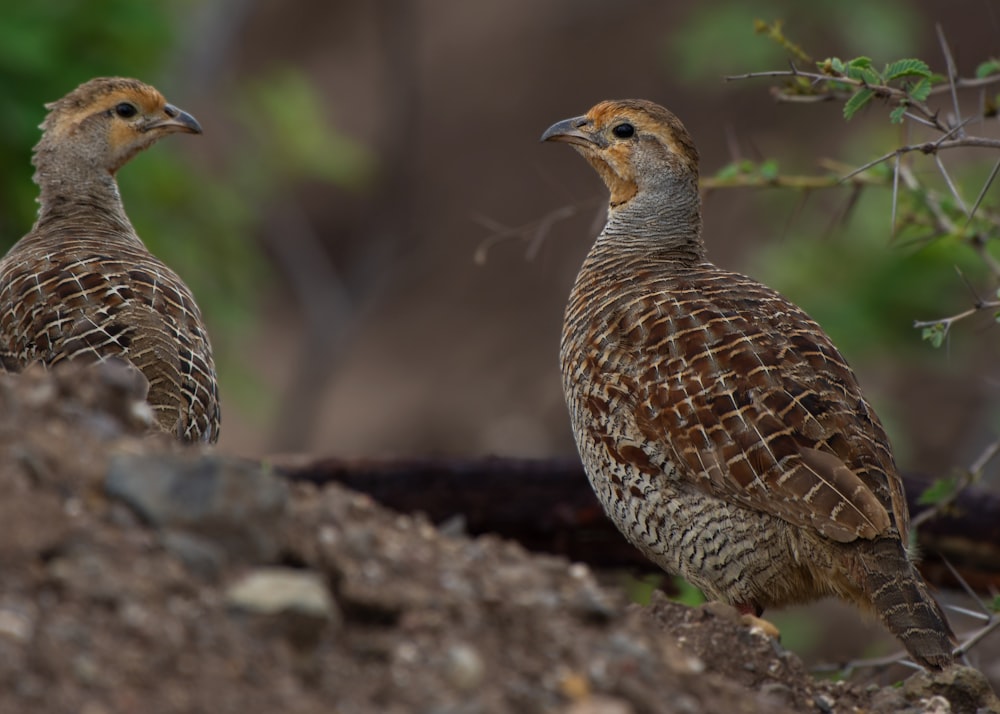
[
  {"x": 81, "y": 285},
  {"x": 725, "y": 435}
]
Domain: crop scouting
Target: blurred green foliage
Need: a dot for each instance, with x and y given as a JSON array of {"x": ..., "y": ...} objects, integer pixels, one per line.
[
  {"x": 863, "y": 287},
  {"x": 197, "y": 202},
  {"x": 47, "y": 48},
  {"x": 868, "y": 280},
  {"x": 849, "y": 26}
]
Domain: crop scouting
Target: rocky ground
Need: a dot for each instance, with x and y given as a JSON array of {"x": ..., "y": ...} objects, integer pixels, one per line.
[{"x": 140, "y": 576}]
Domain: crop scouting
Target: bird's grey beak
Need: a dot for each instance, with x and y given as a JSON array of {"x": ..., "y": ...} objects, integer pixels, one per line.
[
  {"x": 175, "y": 120},
  {"x": 572, "y": 131}
]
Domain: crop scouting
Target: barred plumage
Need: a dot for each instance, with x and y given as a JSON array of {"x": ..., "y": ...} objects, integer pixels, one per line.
[
  {"x": 81, "y": 285},
  {"x": 720, "y": 427}
]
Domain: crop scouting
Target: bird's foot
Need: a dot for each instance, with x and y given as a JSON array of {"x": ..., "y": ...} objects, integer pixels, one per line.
[
  {"x": 760, "y": 626},
  {"x": 750, "y": 616}
]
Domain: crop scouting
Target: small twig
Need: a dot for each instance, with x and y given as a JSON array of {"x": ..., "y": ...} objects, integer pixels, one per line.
[
  {"x": 883, "y": 91},
  {"x": 952, "y": 71},
  {"x": 977, "y": 636},
  {"x": 968, "y": 83},
  {"x": 950, "y": 184},
  {"x": 946, "y": 321},
  {"x": 984, "y": 615},
  {"x": 976, "y": 468},
  {"x": 974, "y": 614},
  {"x": 793, "y": 72},
  {"x": 895, "y": 193},
  {"x": 987, "y": 455},
  {"x": 960, "y": 82},
  {"x": 875, "y": 162},
  {"x": 920, "y": 120},
  {"x": 533, "y": 233},
  {"x": 782, "y": 181},
  {"x": 982, "y": 193},
  {"x": 944, "y": 225},
  {"x": 872, "y": 663}
]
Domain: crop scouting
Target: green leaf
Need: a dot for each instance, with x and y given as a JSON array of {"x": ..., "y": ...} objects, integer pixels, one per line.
[
  {"x": 860, "y": 62},
  {"x": 935, "y": 334},
  {"x": 896, "y": 115},
  {"x": 938, "y": 492},
  {"x": 837, "y": 65},
  {"x": 864, "y": 74},
  {"x": 734, "y": 169},
  {"x": 906, "y": 68},
  {"x": 921, "y": 90},
  {"x": 994, "y": 604},
  {"x": 728, "y": 171},
  {"x": 858, "y": 100},
  {"x": 990, "y": 66},
  {"x": 769, "y": 169}
]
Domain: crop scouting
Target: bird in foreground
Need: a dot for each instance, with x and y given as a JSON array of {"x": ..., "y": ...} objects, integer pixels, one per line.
[
  {"x": 725, "y": 435},
  {"x": 81, "y": 285}
]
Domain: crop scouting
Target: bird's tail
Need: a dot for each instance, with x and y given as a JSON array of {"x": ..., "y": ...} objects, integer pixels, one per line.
[{"x": 905, "y": 605}]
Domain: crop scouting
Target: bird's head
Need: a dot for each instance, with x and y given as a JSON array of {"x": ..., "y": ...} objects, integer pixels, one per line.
[
  {"x": 634, "y": 145},
  {"x": 106, "y": 121}
]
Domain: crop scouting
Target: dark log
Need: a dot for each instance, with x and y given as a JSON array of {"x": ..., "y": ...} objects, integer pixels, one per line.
[{"x": 548, "y": 506}]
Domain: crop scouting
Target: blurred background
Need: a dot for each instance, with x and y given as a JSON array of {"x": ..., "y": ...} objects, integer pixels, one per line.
[{"x": 383, "y": 249}]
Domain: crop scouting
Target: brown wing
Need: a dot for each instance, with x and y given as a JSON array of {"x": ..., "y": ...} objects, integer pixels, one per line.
[
  {"x": 748, "y": 396},
  {"x": 87, "y": 305}
]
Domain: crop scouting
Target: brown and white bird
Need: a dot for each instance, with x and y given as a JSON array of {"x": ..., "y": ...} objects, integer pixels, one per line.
[
  {"x": 725, "y": 435},
  {"x": 81, "y": 285}
]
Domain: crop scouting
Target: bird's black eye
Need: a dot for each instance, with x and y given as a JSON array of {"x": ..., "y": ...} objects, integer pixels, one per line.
[
  {"x": 623, "y": 130},
  {"x": 126, "y": 110}
]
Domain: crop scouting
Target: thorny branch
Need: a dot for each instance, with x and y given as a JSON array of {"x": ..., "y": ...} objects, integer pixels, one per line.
[
  {"x": 832, "y": 82},
  {"x": 839, "y": 87},
  {"x": 972, "y": 475}
]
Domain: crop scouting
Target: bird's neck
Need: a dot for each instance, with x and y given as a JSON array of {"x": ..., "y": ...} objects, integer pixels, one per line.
[
  {"x": 78, "y": 195},
  {"x": 663, "y": 222}
]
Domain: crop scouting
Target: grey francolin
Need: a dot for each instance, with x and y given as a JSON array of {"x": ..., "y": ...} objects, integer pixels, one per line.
[
  {"x": 81, "y": 285},
  {"x": 721, "y": 429}
]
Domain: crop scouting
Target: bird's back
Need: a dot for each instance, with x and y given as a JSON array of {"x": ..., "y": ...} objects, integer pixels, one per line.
[
  {"x": 734, "y": 386},
  {"x": 87, "y": 294}
]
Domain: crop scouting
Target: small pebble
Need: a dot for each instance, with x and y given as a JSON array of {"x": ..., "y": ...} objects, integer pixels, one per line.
[
  {"x": 464, "y": 667},
  {"x": 16, "y": 625},
  {"x": 273, "y": 590},
  {"x": 824, "y": 703}
]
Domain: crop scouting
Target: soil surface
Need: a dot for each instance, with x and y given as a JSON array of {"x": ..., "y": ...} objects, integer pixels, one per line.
[{"x": 141, "y": 576}]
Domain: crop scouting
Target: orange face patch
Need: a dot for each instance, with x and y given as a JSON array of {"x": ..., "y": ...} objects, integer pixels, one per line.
[
  {"x": 98, "y": 96},
  {"x": 648, "y": 118}
]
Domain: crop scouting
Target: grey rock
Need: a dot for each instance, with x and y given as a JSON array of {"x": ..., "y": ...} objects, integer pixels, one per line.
[
  {"x": 965, "y": 689},
  {"x": 200, "y": 555},
  {"x": 233, "y": 504}
]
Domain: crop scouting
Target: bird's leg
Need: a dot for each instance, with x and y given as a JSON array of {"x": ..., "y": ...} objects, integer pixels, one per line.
[{"x": 749, "y": 608}]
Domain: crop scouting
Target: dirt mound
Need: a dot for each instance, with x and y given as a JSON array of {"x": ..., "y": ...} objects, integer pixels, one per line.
[{"x": 138, "y": 576}]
